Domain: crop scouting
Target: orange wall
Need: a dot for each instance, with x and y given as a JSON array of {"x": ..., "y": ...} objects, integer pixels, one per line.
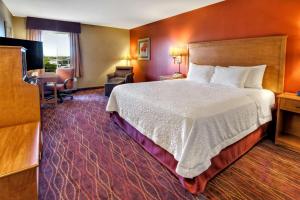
[{"x": 225, "y": 20}]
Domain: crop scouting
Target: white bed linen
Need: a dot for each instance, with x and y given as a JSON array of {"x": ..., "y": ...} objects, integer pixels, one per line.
[{"x": 192, "y": 121}]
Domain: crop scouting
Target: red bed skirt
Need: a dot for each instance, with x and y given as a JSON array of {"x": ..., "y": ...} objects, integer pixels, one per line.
[{"x": 197, "y": 184}]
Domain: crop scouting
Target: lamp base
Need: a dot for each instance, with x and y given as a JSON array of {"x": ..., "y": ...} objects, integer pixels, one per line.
[{"x": 178, "y": 75}]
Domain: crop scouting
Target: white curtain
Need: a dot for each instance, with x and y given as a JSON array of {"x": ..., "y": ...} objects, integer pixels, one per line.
[
  {"x": 34, "y": 34},
  {"x": 75, "y": 54}
]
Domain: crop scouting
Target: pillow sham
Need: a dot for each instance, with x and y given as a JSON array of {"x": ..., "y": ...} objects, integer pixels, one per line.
[
  {"x": 255, "y": 76},
  {"x": 200, "y": 73},
  {"x": 233, "y": 77}
]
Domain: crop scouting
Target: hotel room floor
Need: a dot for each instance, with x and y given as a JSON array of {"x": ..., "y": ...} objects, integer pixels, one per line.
[{"x": 86, "y": 156}]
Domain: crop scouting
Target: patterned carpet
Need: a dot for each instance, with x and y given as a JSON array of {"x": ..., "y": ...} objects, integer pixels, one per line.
[{"x": 86, "y": 156}]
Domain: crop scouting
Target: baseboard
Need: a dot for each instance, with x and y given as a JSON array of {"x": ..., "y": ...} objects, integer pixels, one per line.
[{"x": 89, "y": 88}]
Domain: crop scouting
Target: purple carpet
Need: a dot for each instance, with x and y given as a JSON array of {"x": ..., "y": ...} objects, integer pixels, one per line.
[{"x": 86, "y": 156}]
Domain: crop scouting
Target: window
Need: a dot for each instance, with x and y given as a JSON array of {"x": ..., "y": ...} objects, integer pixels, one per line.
[{"x": 56, "y": 47}]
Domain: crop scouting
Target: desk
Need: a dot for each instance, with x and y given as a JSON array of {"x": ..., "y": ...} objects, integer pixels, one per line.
[{"x": 42, "y": 80}]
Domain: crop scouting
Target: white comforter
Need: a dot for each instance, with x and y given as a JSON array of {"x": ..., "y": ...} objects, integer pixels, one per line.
[{"x": 192, "y": 121}]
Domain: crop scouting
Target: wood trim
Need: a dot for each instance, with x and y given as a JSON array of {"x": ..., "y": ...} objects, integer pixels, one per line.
[{"x": 269, "y": 50}]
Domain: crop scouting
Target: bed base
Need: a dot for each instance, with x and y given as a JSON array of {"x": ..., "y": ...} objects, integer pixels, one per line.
[{"x": 197, "y": 184}]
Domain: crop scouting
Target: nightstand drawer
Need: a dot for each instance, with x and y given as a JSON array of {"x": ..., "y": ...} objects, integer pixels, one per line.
[{"x": 290, "y": 105}]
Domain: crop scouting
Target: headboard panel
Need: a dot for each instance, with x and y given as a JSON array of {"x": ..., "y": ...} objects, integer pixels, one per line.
[{"x": 246, "y": 52}]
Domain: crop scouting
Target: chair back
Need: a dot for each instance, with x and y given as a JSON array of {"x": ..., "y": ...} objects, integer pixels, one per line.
[
  {"x": 64, "y": 74},
  {"x": 121, "y": 71}
]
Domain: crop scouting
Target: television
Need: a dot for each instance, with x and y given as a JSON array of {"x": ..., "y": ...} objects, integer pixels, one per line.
[{"x": 34, "y": 51}]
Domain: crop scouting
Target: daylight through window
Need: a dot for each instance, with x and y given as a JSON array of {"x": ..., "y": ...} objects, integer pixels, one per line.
[{"x": 56, "y": 47}]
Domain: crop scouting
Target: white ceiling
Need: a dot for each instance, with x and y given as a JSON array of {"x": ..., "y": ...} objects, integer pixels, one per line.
[{"x": 114, "y": 13}]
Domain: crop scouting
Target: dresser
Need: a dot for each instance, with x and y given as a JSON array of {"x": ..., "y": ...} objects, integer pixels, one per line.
[
  {"x": 288, "y": 121},
  {"x": 20, "y": 133}
]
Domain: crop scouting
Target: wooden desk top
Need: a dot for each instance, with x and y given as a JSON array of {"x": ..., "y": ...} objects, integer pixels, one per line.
[
  {"x": 19, "y": 148},
  {"x": 48, "y": 76}
]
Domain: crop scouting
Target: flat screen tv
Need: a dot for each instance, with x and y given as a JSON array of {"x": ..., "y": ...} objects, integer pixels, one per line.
[{"x": 34, "y": 51}]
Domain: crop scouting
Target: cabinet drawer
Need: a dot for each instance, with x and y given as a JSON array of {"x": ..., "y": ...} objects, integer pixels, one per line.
[{"x": 290, "y": 105}]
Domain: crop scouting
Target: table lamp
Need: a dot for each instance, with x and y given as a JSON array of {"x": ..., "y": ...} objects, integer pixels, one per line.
[
  {"x": 177, "y": 52},
  {"x": 128, "y": 59}
]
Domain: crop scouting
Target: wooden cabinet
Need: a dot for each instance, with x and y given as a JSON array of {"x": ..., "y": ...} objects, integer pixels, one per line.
[
  {"x": 288, "y": 121},
  {"x": 19, "y": 129},
  {"x": 19, "y": 160}
]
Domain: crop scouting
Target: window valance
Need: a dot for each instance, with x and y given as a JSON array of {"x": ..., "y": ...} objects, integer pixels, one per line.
[{"x": 52, "y": 25}]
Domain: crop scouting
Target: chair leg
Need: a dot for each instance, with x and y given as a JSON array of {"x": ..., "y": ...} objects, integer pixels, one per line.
[{"x": 60, "y": 97}]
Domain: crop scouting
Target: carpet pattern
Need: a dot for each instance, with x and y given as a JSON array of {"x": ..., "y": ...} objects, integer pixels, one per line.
[{"x": 86, "y": 156}]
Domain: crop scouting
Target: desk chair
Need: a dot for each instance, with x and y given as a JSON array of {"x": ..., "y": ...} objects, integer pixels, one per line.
[{"x": 65, "y": 83}]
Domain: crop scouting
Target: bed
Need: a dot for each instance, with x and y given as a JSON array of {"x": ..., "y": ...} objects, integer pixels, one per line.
[{"x": 197, "y": 130}]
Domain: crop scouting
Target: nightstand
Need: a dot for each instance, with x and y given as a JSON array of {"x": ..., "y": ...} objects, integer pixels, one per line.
[
  {"x": 288, "y": 121},
  {"x": 171, "y": 77}
]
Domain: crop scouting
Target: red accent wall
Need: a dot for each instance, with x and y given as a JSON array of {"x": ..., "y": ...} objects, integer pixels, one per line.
[{"x": 226, "y": 20}]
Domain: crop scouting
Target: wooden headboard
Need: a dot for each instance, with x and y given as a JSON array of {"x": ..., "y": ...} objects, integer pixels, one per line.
[{"x": 245, "y": 52}]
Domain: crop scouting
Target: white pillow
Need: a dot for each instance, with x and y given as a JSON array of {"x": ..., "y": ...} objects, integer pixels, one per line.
[
  {"x": 233, "y": 77},
  {"x": 255, "y": 76},
  {"x": 200, "y": 73}
]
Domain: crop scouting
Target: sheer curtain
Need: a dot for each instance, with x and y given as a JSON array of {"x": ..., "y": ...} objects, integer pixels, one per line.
[
  {"x": 75, "y": 54},
  {"x": 34, "y": 34}
]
